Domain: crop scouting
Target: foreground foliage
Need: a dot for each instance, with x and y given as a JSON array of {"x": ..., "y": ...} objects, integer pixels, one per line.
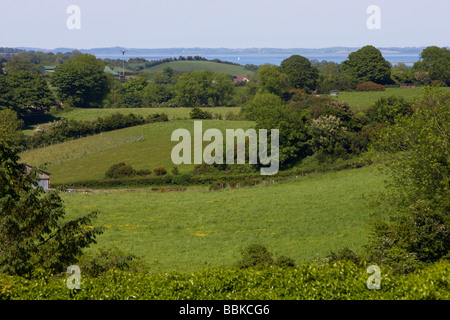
[
  {"x": 33, "y": 231},
  {"x": 336, "y": 281}
]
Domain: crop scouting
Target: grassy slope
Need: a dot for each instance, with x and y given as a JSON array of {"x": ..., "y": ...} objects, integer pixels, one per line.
[
  {"x": 88, "y": 158},
  {"x": 191, "y": 230},
  {"x": 189, "y": 66},
  {"x": 364, "y": 99},
  {"x": 93, "y": 113}
]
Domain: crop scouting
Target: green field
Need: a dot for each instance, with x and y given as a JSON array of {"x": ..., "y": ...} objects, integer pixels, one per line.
[
  {"x": 360, "y": 101},
  {"x": 187, "y": 231},
  {"x": 88, "y": 158},
  {"x": 190, "y": 66},
  {"x": 81, "y": 114}
]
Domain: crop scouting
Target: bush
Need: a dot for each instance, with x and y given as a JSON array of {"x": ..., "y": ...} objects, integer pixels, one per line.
[
  {"x": 330, "y": 140},
  {"x": 183, "y": 179},
  {"x": 159, "y": 171},
  {"x": 120, "y": 170},
  {"x": 369, "y": 86},
  {"x": 95, "y": 265},
  {"x": 152, "y": 118},
  {"x": 258, "y": 256},
  {"x": 255, "y": 255},
  {"x": 343, "y": 255},
  {"x": 168, "y": 179},
  {"x": 387, "y": 109},
  {"x": 284, "y": 262},
  {"x": 198, "y": 113}
]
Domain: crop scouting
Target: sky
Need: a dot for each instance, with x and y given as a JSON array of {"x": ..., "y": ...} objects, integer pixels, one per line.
[{"x": 223, "y": 24}]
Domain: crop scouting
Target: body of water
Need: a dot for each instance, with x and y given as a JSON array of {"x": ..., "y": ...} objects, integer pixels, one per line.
[{"x": 260, "y": 59}]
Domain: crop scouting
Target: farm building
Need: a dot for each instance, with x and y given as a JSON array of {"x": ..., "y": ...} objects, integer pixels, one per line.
[
  {"x": 43, "y": 177},
  {"x": 241, "y": 78}
]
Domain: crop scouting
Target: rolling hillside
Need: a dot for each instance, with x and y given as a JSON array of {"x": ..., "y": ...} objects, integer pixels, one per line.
[
  {"x": 189, "y": 66},
  {"x": 88, "y": 158}
]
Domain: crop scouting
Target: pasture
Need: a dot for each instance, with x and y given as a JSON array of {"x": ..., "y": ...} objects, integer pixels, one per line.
[
  {"x": 360, "y": 101},
  {"x": 190, "y": 66},
  {"x": 188, "y": 231},
  {"x": 143, "y": 147}
]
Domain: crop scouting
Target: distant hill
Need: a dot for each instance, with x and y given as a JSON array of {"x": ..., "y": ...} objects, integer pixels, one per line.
[{"x": 189, "y": 66}]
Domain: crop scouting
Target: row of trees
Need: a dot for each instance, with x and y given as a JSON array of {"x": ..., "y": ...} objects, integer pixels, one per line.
[
  {"x": 199, "y": 88},
  {"x": 82, "y": 82},
  {"x": 368, "y": 64}
]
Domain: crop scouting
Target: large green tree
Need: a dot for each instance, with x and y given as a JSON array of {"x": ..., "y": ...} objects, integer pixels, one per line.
[
  {"x": 21, "y": 89},
  {"x": 33, "y": 232},
  {"x": 416, "y": 152},
  {"x": 301, "y": 74},
  {"x": 81, "y": 82},
  {"x": 11, "y": 126},
  {"x": 29, "y": 90},
  {"x": 367, "y": 64},
  {"x": 272, "y": 80},
  {"x": 435, "y": 61},
  {"x": 18, "y": 63},
  {"x": 202, "y": 88},
  {"x": 271, "y": 112}
]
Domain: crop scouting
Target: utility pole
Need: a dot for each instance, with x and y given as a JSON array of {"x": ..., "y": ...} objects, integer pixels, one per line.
[{"x": 123, "y": 54}]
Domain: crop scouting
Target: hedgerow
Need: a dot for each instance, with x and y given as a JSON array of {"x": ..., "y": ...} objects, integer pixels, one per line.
[
  {"x": 335, "y": 281},
  {"x": 63, "y": 130}
]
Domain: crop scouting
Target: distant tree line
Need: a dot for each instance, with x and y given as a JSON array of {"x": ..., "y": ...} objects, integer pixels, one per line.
[{"x": 139, "y": 64}]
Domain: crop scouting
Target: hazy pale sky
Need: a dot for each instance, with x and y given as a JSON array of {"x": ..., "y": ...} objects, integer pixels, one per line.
[{"x": 228, "y": 24}]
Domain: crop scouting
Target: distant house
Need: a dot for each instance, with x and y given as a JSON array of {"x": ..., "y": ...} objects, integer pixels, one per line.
[
  {"x": 43, "y": 178},
  {"x": 241, "y": 78}
]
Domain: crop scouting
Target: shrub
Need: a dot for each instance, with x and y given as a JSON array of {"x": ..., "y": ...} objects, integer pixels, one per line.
[
  {"x": 369, "y": 86},
  {"x": 120, "y": 170},
  {"x": 159, "y": 171},
  {"x": 156, "y": 117},
  {"x": 343, "y": 255},
  {"x": 182, "y": 179},
  {"x": 330, "y": 139},
  {"x": 387, "y": 109},
  {"x": 168, "y": 179},
  {"x": 175, "y": 171},
  {"x": 95, "y": 265},
  {"x": 198, "y": 113},
  {"x": 255, "y": 255},
  {"x": 284, "y": 262}
]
